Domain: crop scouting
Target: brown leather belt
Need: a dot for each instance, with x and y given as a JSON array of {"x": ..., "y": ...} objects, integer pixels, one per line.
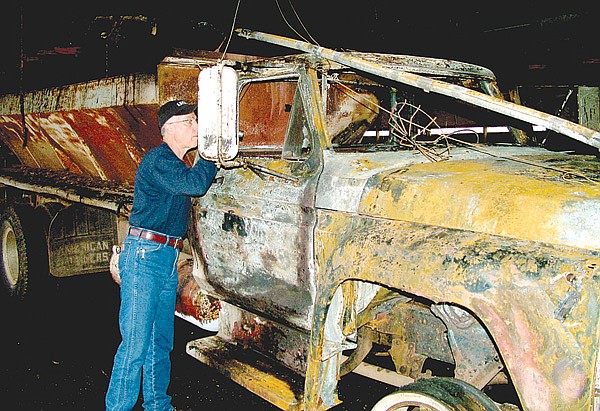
[{"x": 159, "y": 238}]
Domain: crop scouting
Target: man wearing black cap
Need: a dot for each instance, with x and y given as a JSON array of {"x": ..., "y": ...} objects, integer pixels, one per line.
[{"x": 148, "y": 263}]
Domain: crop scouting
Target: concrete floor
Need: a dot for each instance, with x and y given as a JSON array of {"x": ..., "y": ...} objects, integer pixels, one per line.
[{"x": 57, "y": 351}]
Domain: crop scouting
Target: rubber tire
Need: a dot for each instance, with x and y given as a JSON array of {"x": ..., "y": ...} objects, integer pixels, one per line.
[
  {"x": 22, "y": 248},
  {"x": 439, "y": 394}
]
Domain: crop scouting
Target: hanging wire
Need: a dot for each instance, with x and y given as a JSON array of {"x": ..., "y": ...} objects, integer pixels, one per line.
[
  {"x": 237, "y": 8},
  {"x": 284, "y": 19},
  {"x": 405, "y": 131},
  {"x": 288, "y": 23},
  {"x": 302, "y": 24},
  {"x": 299, "y": 20}
]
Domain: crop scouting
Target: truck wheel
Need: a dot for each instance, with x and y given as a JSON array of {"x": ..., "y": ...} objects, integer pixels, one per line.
[
  {"x": 20, "y": 245},
  {"x": 437, "y": 394}
]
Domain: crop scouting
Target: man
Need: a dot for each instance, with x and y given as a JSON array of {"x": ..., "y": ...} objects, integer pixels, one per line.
[{"x": 148, "y": 263}]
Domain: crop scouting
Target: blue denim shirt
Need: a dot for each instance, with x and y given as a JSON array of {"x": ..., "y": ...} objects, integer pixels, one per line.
[{"x": 162, "y": 191}]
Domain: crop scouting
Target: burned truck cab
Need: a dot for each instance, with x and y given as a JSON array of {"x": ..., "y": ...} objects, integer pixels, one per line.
[{"x": 364, "y": 218}]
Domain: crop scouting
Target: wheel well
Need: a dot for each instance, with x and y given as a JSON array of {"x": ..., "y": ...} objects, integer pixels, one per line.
[{"x": 420, "y": 338}]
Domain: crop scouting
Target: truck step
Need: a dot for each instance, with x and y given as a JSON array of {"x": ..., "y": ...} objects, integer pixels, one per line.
[{"x": 258, "y": 374}]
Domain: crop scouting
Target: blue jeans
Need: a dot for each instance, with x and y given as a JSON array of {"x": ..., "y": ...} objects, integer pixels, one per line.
[{"x": 146, "y": 320}]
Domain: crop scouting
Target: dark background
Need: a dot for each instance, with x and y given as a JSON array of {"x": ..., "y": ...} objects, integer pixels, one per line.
[
  {"x": 57, "y": 350},
  {"x": 56, "y": 353},
  {"x": 525, "y": 43}
]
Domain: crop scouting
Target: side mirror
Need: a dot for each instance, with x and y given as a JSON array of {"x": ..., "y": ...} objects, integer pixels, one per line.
[{"x": 218, "y": 113}]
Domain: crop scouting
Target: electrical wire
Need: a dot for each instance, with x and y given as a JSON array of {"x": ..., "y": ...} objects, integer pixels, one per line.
[
  {"x": 299, "y": 20},
  {"x": 288, "y": 23},
  {"x": 237, "y": 8},
  {"x": 302, "y": 24},
  {"x": 470, "y": 146}
]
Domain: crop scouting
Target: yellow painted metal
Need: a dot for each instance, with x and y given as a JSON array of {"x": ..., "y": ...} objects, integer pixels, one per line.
[
  {"x": 258, "y": 375},
  {"x": 495, "y": 196}
]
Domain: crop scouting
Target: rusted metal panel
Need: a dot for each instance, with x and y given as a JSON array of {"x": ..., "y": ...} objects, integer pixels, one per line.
[
  {"x": 178, "y": 81},
  {"x": 265, "y": 112},
  {"x": 273, "y": 339},
  {"x": 99, "y": 129},
  {"x": 178, "y": 73}
]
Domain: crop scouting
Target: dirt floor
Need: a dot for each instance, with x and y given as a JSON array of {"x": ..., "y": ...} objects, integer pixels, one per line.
[{"x": 57, "y": 350}]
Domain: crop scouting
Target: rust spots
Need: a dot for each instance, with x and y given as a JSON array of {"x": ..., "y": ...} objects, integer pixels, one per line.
[
  {"x": 191, "y": 300},
  {"x": 253, "y": 333}
]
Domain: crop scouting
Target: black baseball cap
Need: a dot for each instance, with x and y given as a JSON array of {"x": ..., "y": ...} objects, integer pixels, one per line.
[{"x": 173, "y": 108}]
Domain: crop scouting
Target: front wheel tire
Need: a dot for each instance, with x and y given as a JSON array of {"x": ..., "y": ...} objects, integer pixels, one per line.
[{"x": 437, "y": 394}]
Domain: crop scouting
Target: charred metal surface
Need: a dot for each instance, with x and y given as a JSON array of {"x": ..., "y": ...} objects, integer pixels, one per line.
[
  {"x": 234, "y": 224},
  {"x": 496, "y": 192},
  {"x": 525, "y": 197},
  {"x": 286, "y": 344},
  {"x": 349, "y": 116},
  {"x": 513, "y": 288},
  {"x": 70, "y": 186},
  {"x": 271, "y": 270},
  {"x": 264, "y": 377},
  {"x": 431, "y": 66}
]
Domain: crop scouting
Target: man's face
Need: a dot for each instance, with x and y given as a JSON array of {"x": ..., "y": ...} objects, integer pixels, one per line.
[{"x": 184, "y": 129}]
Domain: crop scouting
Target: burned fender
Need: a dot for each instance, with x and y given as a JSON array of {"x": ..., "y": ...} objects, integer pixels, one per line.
[{"x": 531, "y": 297}]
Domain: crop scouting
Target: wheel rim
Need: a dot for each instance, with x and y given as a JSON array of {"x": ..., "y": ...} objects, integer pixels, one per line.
[
  {"x": 437, "y": 394},
  {"x": 403, "y": 401},
  {"x": 10, "y": 255}
]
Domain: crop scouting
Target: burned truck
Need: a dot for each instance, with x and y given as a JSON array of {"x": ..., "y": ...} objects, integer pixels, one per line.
[{"x": 364, "y": 219}]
